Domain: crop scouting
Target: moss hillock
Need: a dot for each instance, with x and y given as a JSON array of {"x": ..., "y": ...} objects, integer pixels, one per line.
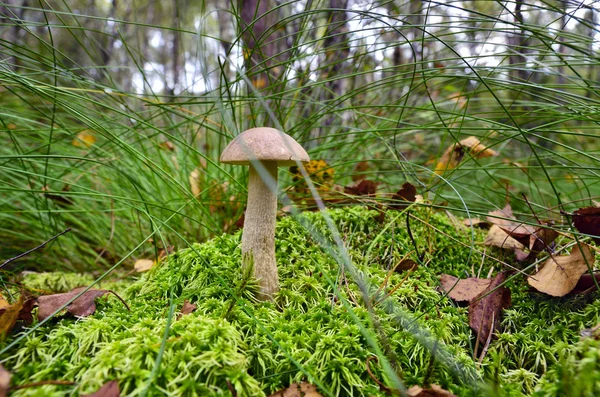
[{"x": 320, "y": 327}]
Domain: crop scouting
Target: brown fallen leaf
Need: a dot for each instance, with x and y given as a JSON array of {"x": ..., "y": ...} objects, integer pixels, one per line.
[
  {"x": 3, "y": 303},
  {"x": 143, "y": 265},
  {"x": 83, "y": 306},
  {"x": 403, "y": 197},
  {"x": 497, "y": 237},
  {"x": 4, "y": 381},
  {"x": 405, "y": 264},
  {"x": 585, "y": 283},
  {"x": 462, "y": 290},
  {"x": 433, "y": 391},
  {"x": 363, "y": 188},
  {"x": 167, "y": 145},
  {"x": 587, "y": 221},
  {"x": 511, "y": 225},
  {"x": 456, "y": 152},
  {"x": 560, "y": 274},
  {"x": 486, "y": 308},
  {"x": 304, "y": 389},
  {"x": 109, "y": 389},
  {"x": 187, "y": 308}
]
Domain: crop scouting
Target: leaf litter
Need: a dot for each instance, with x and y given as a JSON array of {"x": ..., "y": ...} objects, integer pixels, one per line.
[{"x": 83, "y": 306}]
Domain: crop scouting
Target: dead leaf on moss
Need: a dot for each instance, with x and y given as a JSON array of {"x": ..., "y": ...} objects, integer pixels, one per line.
[
  {"x": 560, "y": 274},
  {"x": 463, "y": 290},
  {"x": 486, "y": 308},
  {"x": 109, "y": 389},
  {"x": 456, "y": 152},
  {"x": 83, "y": 306},
  {"x": 497, "y": 237},
  {"x": 359, "y": 170},
  {"x": 187, "y": 308},
  {"x": 304, "y": 389},
  {"x": 586, "y": 282},
  {"x": 587, "y": 221},
  {"x": 505, "y": 219},
  {"x": 433, "y": 391},
  {"x": 3, "y": 303},
  {"x": 405, "y": 264},
  {"x": 4, "y": 381},
  {"x": 143, "y": 265}
]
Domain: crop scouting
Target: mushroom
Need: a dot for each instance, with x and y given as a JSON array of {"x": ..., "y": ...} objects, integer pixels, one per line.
[{"x": 263, "y": 149}]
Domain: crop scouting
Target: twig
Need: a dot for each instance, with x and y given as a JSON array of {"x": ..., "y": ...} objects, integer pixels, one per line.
[
  {"x": 121, "y": 299},
  {"x": 231, "y": 388},
  {"x": 34, "y": 249},
  {"x": 43, "y": 383},
  {"x": 419, "y": 255},
  {"x": 372, "y": 376}
]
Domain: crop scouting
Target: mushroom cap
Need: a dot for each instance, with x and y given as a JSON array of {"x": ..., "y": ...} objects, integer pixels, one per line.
[{"x": 264, "y": 144}]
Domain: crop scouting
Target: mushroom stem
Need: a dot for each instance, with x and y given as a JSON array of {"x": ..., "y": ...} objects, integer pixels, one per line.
[{"x": 258, "y": 237}]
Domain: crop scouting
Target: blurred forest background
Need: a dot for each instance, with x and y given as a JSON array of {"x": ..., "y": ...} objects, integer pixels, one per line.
[{"x": 113, "y": 113}]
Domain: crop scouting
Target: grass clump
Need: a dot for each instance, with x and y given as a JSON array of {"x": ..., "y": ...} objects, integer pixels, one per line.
[{"x": 324, "y": 326}]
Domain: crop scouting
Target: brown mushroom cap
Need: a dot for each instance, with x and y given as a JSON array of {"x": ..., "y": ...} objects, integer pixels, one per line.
[{"x": 264, "y": 144}]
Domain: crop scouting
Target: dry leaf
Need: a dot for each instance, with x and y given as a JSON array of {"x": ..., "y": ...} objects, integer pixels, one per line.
[
  {"x": 363, "y": 188},
  {"x": 586, "y": 282},
  {"x": 587, "y": 221},
  {"x": 195, "y": 179},
  {"x": 167, "y": 145},
  {"x": 109, "y": 389},
  {"x": 456, "y": 152},
  {"x": 403, "y": 197},
  {"x": 486, "y": 309},
  {"x": 433, "y": 391},
  {"x": 462, "y": 290},
  {"x": 405, "y": 264},
  {"x": 4, "y": 381},
  {"x": 9, "y": 316},
  {"x": 187, "y": 308},
  {"x": 304, "y": 389},
  {"x": 511, "y": 226},
  {"x": 143, "y": 265},
  {"x": 497, "y": 237},
  {"x": 82, "y": 307},
  {"x": 84, "y": 139},
  {"x": 560, "y": 274}
]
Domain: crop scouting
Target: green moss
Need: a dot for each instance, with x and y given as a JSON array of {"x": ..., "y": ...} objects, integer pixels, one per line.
[{"x": 319, "y": 328}]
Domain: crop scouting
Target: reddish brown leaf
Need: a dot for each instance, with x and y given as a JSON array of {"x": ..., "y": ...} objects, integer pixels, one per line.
[
  {"x": 485, "y": 310},
  {"x": 187, "y": 308},
  {"x": 560, "y": 274},
  {"x": 406, "y": 264},
  {"x": 462, "y": 290},
  {"x": 363, "y": 188},
  {"x": 433, "y": 391},
  {"x": 587, "y": 221},
  {"x": 403, "y": 197},
  {"x": 83, "y": 306},
  {"x": 586, "y": 281},
  {"x": 304, "y": 389},
  {"x": 109, "y": 389},
  {"x": 4, "y": 381}
]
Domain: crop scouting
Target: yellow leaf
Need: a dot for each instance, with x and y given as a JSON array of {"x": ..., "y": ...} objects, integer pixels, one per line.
[
  {"x": 456, "y": 152},
  {"x": 143, "y": 265},
  {"x": 11, "y": 126},
  {"x": 84, "y": 139},
  {"x": 560, "y": 274},
  {"x": 9, "y": 316},
  {"x": 3, "y": 303}
]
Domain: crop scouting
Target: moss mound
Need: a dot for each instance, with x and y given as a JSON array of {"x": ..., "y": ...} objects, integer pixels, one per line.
[{"x": 320, "y": 328}]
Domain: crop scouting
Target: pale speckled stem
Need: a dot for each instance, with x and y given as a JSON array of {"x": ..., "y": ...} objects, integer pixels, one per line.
[{"x": 258, "y": 237}]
